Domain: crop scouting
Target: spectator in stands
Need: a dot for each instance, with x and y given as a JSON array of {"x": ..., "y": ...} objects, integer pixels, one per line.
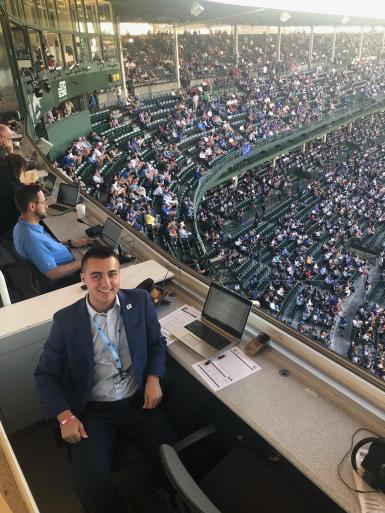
[
  {"x": 92, "y": 101},
  {"x": 6, "y": 146},
  {"x": 69, "y": 162},
  {"x": 49, "y": 118},
  {"x": 14, "y": 166},
  {"x": 52, "y": 258},
  {"x": 150, "y": 219}
]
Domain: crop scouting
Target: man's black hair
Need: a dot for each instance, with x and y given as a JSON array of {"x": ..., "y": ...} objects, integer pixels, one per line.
[
  {"x": 25, "y": 194},
  {"x": 98, "y": 252}
]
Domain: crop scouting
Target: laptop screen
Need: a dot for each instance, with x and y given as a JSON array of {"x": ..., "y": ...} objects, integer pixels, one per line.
[
  {"x": 68, "y": 194},
  {"x": 49, "y": 183},
  {"x": 226, "y": 309},
  {"x": 111, "y": 233}
]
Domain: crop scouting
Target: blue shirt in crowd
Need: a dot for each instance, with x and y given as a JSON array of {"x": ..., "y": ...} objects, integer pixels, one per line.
[{"x": 34, "y": 244}]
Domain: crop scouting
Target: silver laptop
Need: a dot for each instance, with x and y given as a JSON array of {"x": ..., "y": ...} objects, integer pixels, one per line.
[
  {"x": 221, "y": 324},
  {"x": 67, "y": 198}
]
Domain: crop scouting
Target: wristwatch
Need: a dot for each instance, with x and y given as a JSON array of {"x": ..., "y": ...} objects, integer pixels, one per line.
[{"x": 69, "y": 243}]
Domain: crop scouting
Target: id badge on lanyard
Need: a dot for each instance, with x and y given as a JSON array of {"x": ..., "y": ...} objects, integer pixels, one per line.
[{"x": 122, "y": 375}]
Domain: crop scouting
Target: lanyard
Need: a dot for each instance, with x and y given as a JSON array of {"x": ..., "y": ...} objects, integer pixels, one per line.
[{"x": 109, "y": 345}]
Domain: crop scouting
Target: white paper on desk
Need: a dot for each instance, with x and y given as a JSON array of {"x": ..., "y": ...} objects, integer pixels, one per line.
[
  {"x": 230, "y": 367},
  {"x": 369, "y": 502},
  {"x": 176, "y": 319}
]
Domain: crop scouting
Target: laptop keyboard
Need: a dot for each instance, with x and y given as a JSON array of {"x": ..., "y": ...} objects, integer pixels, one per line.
[
  {"x": 62, "y": 208},
  {"x": 210, "y": 336}
]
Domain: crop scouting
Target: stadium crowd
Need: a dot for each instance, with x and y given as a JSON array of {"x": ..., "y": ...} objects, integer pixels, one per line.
[
  {"x": 329, "y": 188},
  {"x": 149, "y": 58}
]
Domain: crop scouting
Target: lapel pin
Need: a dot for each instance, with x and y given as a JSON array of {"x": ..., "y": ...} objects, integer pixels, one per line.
[{"x": 129, "y": 306}]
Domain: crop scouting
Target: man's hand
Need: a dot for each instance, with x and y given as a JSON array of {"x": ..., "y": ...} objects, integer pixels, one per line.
[
  {"x": 80, "y": 243},
  {"x": 152, "y": 393},
  {"x": 73, "y": 430}
]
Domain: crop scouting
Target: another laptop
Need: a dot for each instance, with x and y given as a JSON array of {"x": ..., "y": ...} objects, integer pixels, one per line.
[
  {"x": 111, "y": 233},
  {"x": 67, "y": 198},
  {"x": 221, "y": 324},
  {"x": 49, "y": 182}
]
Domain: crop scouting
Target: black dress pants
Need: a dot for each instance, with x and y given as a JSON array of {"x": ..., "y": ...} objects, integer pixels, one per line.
[{"x": 105, "y": 423}]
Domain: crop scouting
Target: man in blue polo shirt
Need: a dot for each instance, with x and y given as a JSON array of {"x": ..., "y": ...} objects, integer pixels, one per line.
[{"x": 51, "y": 257}]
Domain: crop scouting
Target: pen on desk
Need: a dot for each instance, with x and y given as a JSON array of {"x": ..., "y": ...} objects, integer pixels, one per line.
[
  {"x": 185, "y": 309},
  {"x": 210, "y": 360}
]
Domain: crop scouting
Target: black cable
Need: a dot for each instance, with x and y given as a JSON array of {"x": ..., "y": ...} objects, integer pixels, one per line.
[{"x": 344, "y": 458}]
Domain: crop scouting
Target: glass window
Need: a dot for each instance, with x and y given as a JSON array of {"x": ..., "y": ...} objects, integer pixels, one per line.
[
  {"x": 91, "y": 15},
  {"x": 69, "y": 50},
  {"x": 109, "y": 53},
  {"x": 30, "y": 12},
  {"x": 42, "y": 13},
  {"x": 105, "y": 17},
  {"x": 52, "y": 18},
  {"x": 20, "y": 42},
  {"x": 81, "y": 16},
  {"x": 66, "y": 16},
  {"x": 21, "y": 46},
  {"x": 52, "y": 50},
  {"x": 96, "y": 53},
  {"x": 82, "y": 50},
  {"x": 13, "y": 7},
  {"x": 36, "y": 50}
]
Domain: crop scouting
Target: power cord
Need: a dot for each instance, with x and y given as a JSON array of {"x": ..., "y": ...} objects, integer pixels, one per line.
[{"x": 344, "y": 458}]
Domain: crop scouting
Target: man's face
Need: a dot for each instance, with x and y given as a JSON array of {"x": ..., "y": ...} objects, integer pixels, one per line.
[
  {"x": 102, "y": 277},
  {"x": 6, "y": 139},
  {"x": 39, "y": 206}
]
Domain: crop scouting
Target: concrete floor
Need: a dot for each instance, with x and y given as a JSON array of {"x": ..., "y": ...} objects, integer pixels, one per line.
[{"x": 47, "y": 469}]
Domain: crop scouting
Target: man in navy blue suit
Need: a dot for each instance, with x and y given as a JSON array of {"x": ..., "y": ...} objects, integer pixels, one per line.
[{"x": 99, "y": 375}]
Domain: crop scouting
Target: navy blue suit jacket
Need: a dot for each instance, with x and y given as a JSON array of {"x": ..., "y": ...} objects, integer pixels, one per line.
[{"x": 64, "y": 375}]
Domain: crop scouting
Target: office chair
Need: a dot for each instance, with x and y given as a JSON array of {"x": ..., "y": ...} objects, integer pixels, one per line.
[
  {"x": 241, "y": 482},
  {"x": 21, "y": 276},
  {"x": 5, "y": 300}
]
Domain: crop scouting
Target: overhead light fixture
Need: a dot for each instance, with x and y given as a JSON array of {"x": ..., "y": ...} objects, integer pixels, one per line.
[
  {"x": 196, "y": 9},
  {"x": 345, "y": 20},
  {"x": 284, "y": 17}
]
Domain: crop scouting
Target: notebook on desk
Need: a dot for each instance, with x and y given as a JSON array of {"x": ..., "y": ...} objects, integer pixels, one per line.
[
  {"x": 221, "y": 324},
  {"x": 67, "y": 197}
]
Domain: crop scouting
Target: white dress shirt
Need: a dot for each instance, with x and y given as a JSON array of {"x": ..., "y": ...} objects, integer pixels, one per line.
[{"x": 112, "y": 324}]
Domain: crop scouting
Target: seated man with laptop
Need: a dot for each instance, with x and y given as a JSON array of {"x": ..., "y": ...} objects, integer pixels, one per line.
[{"x": 32, "y": 242}]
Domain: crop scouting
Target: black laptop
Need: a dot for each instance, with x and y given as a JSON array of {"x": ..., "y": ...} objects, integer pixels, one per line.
[
  {"x": 67, "y": 198},
  {"x": 48, "y": 184}
]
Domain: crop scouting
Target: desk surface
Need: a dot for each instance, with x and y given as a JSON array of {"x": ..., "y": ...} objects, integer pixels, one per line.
[
  {"x": 40, "y": 309},
  {"x": 307, "y": 421}
]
